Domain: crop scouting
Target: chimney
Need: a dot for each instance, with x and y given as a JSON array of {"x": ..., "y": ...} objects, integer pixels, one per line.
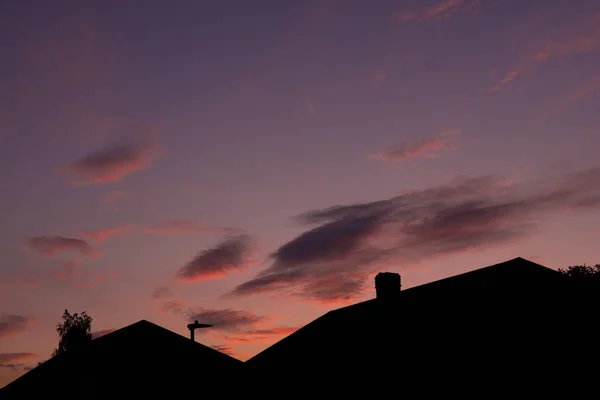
[{"x": 387, "y": 285}]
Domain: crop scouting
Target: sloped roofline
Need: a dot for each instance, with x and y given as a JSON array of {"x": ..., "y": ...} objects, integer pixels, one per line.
[{"x": 308, "y": 326}]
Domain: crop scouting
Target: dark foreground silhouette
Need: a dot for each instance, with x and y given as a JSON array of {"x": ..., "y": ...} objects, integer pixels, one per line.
[
  {"x": 499, "y": 325},
  {"x": 140, "y": 359}
]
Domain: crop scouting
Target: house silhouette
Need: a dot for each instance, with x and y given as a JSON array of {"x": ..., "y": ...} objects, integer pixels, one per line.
[
  {"x": 141, "y": 359},
  {"x": 498, "y": 323},
  {"x": 510, "y": 316}
]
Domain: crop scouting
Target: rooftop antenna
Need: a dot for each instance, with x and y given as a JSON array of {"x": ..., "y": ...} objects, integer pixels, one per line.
[{"x": 194, "y": 326}]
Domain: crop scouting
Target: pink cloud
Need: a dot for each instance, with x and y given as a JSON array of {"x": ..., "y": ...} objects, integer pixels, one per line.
[
  {"x": 571, "y": 99},
  {"x": 13, "y": 324},
  {"x": 52, "y": 245},
  {"x": 12, "y": 357},
  {"x": 181, "y": 226},
  {"x": 101, "y": 235},
  {"x": 421, "y": 148},
  {"x": 574, "y": 45},
  {"x": 342, "y": 244},
  {"x": 72, "y": 273},
  {"x": 115, "y": 196},
  {"x": 436, "y": 12},
  {"x": 162, "y": 292},
  {"x": 111, "y": 164},
  {"x": 259, "y": 335},
  {"x": 93, "y": 278},
  {"x": 223, "y": 348},
  {"x": 67, "y": 271}
]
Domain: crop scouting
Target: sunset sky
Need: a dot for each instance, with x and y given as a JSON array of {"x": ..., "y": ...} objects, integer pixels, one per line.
[{"x": 253, "y": 164}]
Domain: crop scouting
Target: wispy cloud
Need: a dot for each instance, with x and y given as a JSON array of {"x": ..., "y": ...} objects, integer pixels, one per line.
[
  {"x": 332, "y": 261},
  {"x": 162, "y": 292},
  {"x": 232, "y": 254},
  {"x": 111, "y": 164},
  {"x": 419, "y": 148},
  {"x": 12, "y": 357},
  {"x": 259, "y": 335},
  {"x": 177, "y": 226},
  {"x": 436, "y": 12},
  {"x": 227, "y": 320},
  {"x": 13, "y": 324},
  {"x": 182, "y": 226},
  {"x": 230, "y": 325},
  {"x": 574, "y": 45},
  {"x": 223, "y": 348},
  {"x": 115, "y": 196},
  {"x": 571, "y": 99},
  {"x": 52, "y": 245},
  {"x": 12, "y": 361},
  {"x": 66, "y": 271},
  {"x": 101, "y": 235}
]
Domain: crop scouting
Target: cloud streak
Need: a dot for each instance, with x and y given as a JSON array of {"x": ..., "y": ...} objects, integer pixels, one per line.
[
  {"x": 551, "y": 50},
  {"x": 331, "y": 261},
  {"x": 111, "y": 164},
  {"x": 259, "y": 335},
  {"x": 162, "y": 292},
  {"x": 13, "y": 324},
  {"x": 52, "y": 245},
  {"x": 12, "y": 357},
  {"x": 419, "y": 148},
  {"x": 115, "y": 196},
  {"x": 223, "y": 348},
  {"x": 102, "y": 235},
  {"x": 227, "y": 320},
  {"x": 181, "y": 226},
  {"x": 440, "y": 10},
  {"x": 232, "y": 254}
]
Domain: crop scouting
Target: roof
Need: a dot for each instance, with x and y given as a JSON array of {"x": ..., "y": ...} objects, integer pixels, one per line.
[
  {"x": 130, "y": 357},
  {"x": 427, "y": 319}
]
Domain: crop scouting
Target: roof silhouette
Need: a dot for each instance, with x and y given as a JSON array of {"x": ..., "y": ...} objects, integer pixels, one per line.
[
  {"x": 482, "y": 317},
  {"x": 140, "y": 356}
]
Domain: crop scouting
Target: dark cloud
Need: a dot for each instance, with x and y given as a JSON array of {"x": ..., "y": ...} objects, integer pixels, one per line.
[
  {"x": 51, "y": 245},
  {"x": 12, "y": 324},
  {"x": 332, "y": 261},
  {"x": 230, "y": 255},
  {"x": 111, "y": 164},
  {"x": 227, "y": 320},
  {"x": 162, "y": 292},
  {"x": 101, "y": 333}
]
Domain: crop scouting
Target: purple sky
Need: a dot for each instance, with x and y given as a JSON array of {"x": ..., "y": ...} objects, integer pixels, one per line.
[{"x": 176, "y": 160}]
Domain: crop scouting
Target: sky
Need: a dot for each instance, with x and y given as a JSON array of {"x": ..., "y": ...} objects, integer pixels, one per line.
[{"x": 253, "y": 165}]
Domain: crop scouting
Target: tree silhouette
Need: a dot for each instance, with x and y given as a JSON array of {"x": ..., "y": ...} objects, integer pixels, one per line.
[
  {"x": 580, "y": 271},
  {"x": 74, "y": 332}
]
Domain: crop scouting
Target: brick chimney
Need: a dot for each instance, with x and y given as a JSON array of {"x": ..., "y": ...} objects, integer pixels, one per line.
[{"x": 387, "y": 285}]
